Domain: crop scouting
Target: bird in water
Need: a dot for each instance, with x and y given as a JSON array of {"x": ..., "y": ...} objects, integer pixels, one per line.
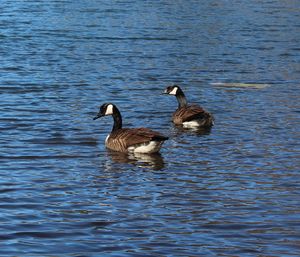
[
  {"x": 189, "y": 116},
  {"x": 136, "y": 140}
]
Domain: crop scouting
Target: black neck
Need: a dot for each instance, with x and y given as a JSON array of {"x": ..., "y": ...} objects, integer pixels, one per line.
[
  {"x": 181, "y": 98},
  {"x": 117, "y": 119}
]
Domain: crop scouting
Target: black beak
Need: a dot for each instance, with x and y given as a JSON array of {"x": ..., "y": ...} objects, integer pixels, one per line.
[
  {"x": 164, "y": 93},
  {"x": 99, "y": 115}
]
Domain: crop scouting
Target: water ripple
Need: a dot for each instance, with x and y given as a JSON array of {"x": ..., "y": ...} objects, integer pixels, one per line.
[{"x": 232, "y": 190}]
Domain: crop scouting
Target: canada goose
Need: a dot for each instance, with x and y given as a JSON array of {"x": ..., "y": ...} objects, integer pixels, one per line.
[
  {"x": 138, "y": 140},
  {"x": 189, "y": 116}
]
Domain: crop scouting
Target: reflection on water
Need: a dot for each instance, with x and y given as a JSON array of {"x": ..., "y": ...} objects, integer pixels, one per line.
[
  {"x": 200, "y": 131},
  {"x": 241, "y": 85},
  {"x": 150, "y": 161},
  {"x": 230, "y": 191}
]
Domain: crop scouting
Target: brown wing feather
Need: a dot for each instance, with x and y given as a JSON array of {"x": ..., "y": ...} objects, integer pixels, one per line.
[
  {"x": 121, "y": 139},
  {"x": 189, "y": 113}
]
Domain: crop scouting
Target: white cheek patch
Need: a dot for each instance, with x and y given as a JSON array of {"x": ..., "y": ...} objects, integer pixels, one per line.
[
  {"x": 109, "y": 109},
  {"x": 174, "y": 91}
]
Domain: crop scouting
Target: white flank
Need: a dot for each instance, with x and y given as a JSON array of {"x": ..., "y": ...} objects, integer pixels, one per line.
[
  {"x": 150, "y": 147},
  {"x": 107, "y": 138},
  {"x": 109, "y": 109},
  {"x": 174, "y": 91},
  {"x": 192, "y": 124}
]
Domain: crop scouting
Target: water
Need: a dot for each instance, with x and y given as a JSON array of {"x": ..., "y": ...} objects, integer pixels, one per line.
[{"x": 231, "y": 192}]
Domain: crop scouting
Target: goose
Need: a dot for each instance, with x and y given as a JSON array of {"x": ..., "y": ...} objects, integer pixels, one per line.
[
  {"x": 190, "y": 116},
  {"x": 134, "y": 140}
]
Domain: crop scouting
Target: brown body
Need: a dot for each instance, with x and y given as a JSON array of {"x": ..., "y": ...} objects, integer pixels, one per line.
[
  {"x": 193, "y": 113},
  {"x": 123, "y": 139}
]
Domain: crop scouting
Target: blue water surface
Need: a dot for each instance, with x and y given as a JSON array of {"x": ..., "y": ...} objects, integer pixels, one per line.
[{"x": 231, "y": 191}]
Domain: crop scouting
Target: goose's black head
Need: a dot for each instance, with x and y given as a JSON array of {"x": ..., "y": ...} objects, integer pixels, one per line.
[
  {"x": 105, "y": 109},
  {"x": 172, "y": 90}
]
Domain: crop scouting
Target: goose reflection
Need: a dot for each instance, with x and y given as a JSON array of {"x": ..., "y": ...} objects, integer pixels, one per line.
[
  {"x": 199, "y": 131},
  {"x": 153, "y": 161}
]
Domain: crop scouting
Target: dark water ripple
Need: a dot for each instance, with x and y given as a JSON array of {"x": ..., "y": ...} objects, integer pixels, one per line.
[{"x": 231, "y": 191}]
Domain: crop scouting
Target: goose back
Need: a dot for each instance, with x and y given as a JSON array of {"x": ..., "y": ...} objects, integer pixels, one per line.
[
  {"x": 130, "y": 138},
  {"x": 190, "y": 113}
]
